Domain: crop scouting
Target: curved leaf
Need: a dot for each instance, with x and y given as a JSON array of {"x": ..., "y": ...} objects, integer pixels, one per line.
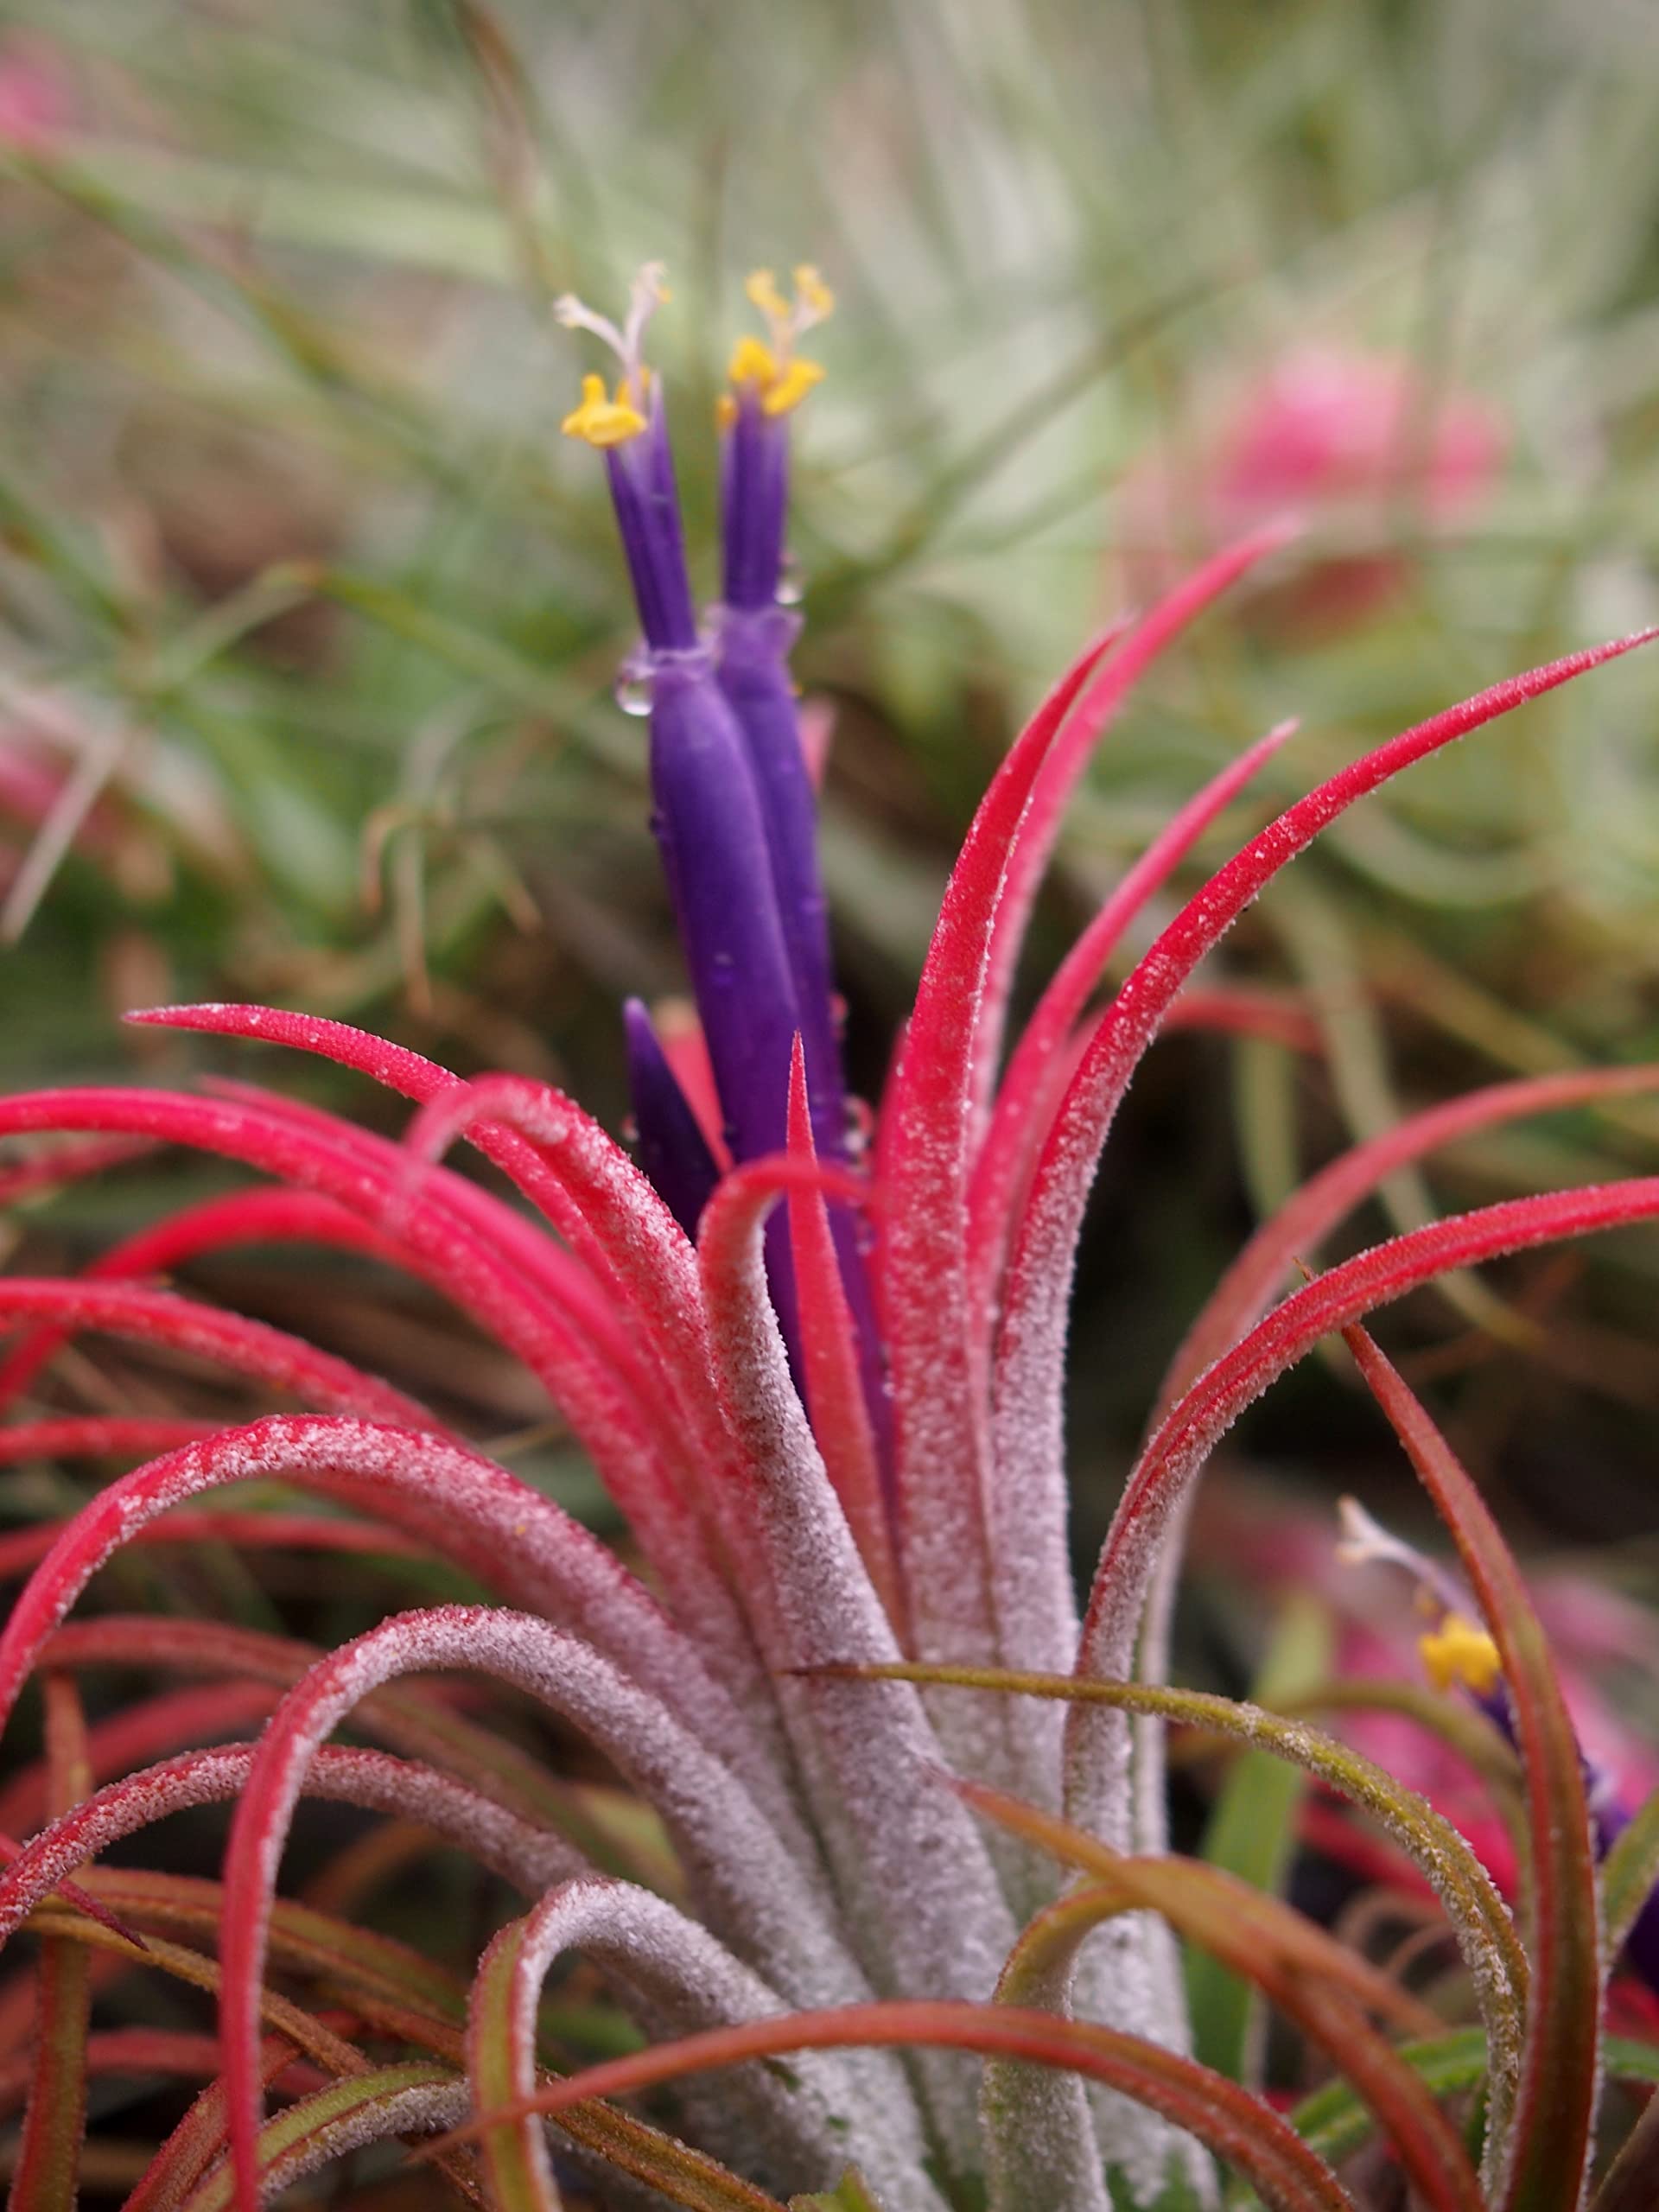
[
  {"x": 1549, "y": 2146},
  {"x": 413, "y": 2097},
  {"x": 1246, "y": 1290},
  {"x": 1631, "y": 2183},
  {"x": 530, "y": 1857},
  {"x": 1248, "y": 2134},
  {"x": 1171, "y": 1462},
  {"x": 1315, "y": 1981},
  {"x": 607, "y": 1825},
  {"x": 1336, "y": 2122},
  {"x": 1628, "y": 1876},
  {"x": 253, "y": 1349},
  {"x": 688, "y": 1982},
  {"x": 1485, "y": 1932},
  {"x": 470, "y": 1510},
  {"x": 748, "y": 1885},
  {"x": 534, "y": 1297}
]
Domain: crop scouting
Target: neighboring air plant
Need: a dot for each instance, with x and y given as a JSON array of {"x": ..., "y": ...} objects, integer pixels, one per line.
[
  {"x": 856, "y": 1688},
  {"x": 1359, "y": 442}
]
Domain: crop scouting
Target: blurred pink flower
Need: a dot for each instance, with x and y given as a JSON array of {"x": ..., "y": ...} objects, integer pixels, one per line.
[
  {"x": 37, "y": 103},
  {"x": 1343, "y": 438}
]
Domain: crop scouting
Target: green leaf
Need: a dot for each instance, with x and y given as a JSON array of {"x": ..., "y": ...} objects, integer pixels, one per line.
[
  {"x": 1628, "y": 1875},
  {"x": 344, "y": 2113},
  {"x": 1251, "y": 1832},
  {"x": 849, "y": 2195},
  {"x": 1336, "y": 2123},
  {"x": 1326, "y": 1989},
  {"x": 48, "y": 2156}
]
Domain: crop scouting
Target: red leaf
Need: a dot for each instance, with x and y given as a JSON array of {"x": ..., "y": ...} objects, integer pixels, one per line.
[
  {"x": 1237, "y": 2127},
  {"x": 1174, "y": 1458},
  {"x": 1295, "y": 1231},
  {"x": 1550, "y": 2142},
  {"x": 835, "y": 1389}
]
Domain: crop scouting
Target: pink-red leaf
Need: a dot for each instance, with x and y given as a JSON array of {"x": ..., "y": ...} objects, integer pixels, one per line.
[
  {"x": 1294, "y": 1232},
  {"x": 835, "y": 1390},
  {"x": 1550, "y": 2138},
  {"x": 752, "y": 1890},
  {"x": 1237, "y": 2127},
  {"x": 1173, "y": 1458},
  {"x": 470, "y": 1510},
  {"x": 1029, "y": 1382}
]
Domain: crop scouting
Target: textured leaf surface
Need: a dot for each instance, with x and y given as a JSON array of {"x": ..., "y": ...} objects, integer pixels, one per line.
[
  {"x": 1547, "y": 2151},
  {"x": 1238, "y": 2128},
  {"x": 754, "y": 1893},
  {"x": 1485, "y": 1932},
  {"x": 1251, "y": 1832}
]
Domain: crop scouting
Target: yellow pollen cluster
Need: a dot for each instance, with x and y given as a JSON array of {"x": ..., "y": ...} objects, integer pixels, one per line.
[
  {"x": 1458, "y": 1651},
  {"x": 602, "y": 421},
  {"x": 773, "y": 370}
]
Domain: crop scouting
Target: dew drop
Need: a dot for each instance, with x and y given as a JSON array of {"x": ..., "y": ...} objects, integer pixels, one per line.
[
  {"x": 633, "y": 692},
  {"x": 790, "y": 586}
]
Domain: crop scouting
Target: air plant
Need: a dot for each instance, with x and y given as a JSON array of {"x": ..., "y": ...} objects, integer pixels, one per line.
[
  {"x": 1356, "y": 440},
  {"x": 908, "y": 1796}
]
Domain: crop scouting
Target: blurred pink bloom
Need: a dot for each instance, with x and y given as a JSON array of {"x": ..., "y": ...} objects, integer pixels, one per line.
[
  {"x": 1344, "y": 439},
  {"x": 37, "y": 105}
]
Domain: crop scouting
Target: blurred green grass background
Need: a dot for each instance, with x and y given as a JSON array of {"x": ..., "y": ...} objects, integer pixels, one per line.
[{"x": 300, "y": 585}]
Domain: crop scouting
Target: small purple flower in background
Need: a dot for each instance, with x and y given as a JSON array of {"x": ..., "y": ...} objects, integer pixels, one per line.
[{"x": 1459, "y": 1655}]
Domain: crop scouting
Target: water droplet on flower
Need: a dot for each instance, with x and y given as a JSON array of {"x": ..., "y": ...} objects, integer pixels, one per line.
[
  {"x": 630, "y": 1130},
  {"x": 633, "y": 692},
  {"x": 790, "y": 587}
]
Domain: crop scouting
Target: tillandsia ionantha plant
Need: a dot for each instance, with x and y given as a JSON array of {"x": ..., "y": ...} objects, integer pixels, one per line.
[{"x": 892, "y": 1796}]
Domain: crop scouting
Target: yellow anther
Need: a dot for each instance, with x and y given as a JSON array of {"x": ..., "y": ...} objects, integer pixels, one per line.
[
  {"x": 791, "y": 387},
  {"x": 768, "y": 368},
  {"x": 762, "y": 292},
  {"x": 814, "y": 297},
  {"x": 602, "y": 421},
  {"x": 753, "y": 362},
  {"x": 1458, "y": 1651}
]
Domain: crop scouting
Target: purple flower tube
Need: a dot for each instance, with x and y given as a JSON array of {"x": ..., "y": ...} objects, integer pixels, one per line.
[
  {"x": 712, "y": 834},
  {"x": 707, "y": 811},
  {"x": 756, "y": 633},
  {"x": 754, "y": 679},
  {"x": 672, "y": 1148},
  {"x": 767, "y": 382}
]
